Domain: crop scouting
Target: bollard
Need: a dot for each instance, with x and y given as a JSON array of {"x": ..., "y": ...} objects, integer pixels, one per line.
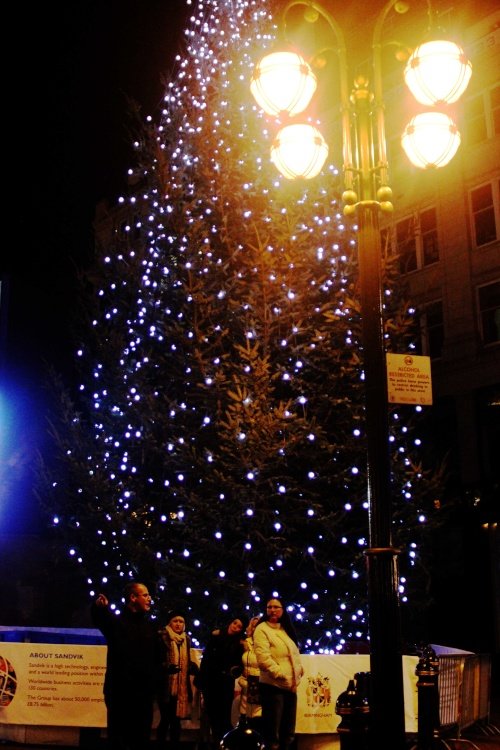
[
  {"x": 242, "y": 737},
  {"x": 354, "y": 709},
  {"x": 362, "y": 680},
  {"x": 427, "y": 671}
]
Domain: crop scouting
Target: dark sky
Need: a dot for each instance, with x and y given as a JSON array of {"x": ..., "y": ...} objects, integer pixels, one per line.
[
  {"x": 74, "y": 67},
  {"x": 71, "y": 147}
]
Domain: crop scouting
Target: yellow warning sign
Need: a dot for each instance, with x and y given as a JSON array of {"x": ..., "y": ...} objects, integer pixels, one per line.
[{"x": 409, "y": 379}]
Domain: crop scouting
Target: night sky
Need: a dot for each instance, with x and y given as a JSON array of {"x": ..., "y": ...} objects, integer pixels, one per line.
[
  {"x": 68, "y": 148},
  {"x": 72, "y": 134}
]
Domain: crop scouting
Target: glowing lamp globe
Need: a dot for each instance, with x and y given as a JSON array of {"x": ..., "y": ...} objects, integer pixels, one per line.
[
  {"x": 283, "y": 82},
  {"x": 431, "y": 139},
  {"x": 299, "y": 151},
  {"x": 438, "y": 71}
]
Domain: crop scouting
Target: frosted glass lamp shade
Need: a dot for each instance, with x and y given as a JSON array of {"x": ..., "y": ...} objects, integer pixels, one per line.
[
  {"x": 438, "y": 71},
  {"x": 299, "y": 151},
  {"x": 283, "y": 82},
  {"x": 431, "y": 139}
]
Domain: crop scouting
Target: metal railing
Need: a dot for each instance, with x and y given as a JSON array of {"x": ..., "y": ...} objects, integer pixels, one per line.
[{"x": 464, "y": 684}]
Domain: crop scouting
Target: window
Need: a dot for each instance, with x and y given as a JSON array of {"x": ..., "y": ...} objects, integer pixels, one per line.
[
  {"x": 406, "y": 245},
  {"x": 475, "y": 120},
  {"x": 489, "y": 312},
  {"x": 485, "y": 213},
  {"x": 415, "y": 240},
  {"x": 432, "y": 329},
  {"x": 396, "y": 155},
  {"x": 428, "y": 229},
  {"x": 495, "y": 110},
  {"x": 482, "y": 116}
]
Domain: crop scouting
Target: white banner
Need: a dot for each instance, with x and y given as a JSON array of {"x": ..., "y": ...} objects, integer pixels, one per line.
[
  {"x": 61, "y": 685},
  {"x": 56, "y": 685},
  {"x": 326, "y": 677}
]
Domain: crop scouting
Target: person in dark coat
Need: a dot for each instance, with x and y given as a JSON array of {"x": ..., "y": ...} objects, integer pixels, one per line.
[
  {"x": 175, "y": 695},
  {"x": 220, "y": 665},
  {"x": 133, "y": 663}
]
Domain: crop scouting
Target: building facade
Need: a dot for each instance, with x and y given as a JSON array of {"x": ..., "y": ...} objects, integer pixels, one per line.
[{"x": 445, "y": 230}]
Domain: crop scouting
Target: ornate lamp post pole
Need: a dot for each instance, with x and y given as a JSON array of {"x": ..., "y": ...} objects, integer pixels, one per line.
[{"x": 284, "y": 82}]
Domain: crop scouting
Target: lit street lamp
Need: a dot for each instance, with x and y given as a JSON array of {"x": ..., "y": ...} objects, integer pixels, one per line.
[{"x": 283, "y": 83}]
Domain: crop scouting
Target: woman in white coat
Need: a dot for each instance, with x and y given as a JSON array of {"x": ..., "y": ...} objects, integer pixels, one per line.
[{"x": 278, "y": 657}]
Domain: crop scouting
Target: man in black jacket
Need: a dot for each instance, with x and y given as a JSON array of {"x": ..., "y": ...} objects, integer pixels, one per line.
[{"x": 133, "y": 663}]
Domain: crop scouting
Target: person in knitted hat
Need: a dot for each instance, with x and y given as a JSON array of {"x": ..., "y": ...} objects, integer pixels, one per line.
[
  {"x": 175, "y": 695},
  {"x": 221, "y": 665}
]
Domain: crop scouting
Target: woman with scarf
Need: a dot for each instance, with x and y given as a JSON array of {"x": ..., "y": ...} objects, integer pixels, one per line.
[{"x": 175, "y": 695}]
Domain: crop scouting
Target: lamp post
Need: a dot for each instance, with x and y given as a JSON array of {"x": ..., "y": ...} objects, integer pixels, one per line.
[{"x": 285, "y": 82}]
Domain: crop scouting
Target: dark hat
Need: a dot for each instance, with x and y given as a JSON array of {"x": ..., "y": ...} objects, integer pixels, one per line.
[{"x": 175, "y": 612}]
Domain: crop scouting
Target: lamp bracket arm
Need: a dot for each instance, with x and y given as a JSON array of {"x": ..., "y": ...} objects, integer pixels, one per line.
[
  {"x": 378, "y": 90},
  {"x": 384, "y": 206},
  {"x": 340, "y": 39},
  {"x": 316, "y": 10}
]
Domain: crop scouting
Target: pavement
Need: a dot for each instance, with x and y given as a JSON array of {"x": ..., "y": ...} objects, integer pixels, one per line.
[{"x": 478, "y": 737}]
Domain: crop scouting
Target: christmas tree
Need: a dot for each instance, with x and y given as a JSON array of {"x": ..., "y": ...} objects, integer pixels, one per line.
[{"x": 216, "y": 446}]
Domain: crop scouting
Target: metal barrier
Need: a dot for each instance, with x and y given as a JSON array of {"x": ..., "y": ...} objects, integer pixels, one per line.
[{"x": 464, "y": 690}]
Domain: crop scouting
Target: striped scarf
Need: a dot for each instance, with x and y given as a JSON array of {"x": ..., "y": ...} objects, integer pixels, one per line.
[{"x": 179, "y": 655}]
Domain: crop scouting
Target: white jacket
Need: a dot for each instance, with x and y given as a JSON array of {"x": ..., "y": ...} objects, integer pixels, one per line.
[
  {"x": 278, "y": 657},
  {"x": 250, "y": 668}
]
